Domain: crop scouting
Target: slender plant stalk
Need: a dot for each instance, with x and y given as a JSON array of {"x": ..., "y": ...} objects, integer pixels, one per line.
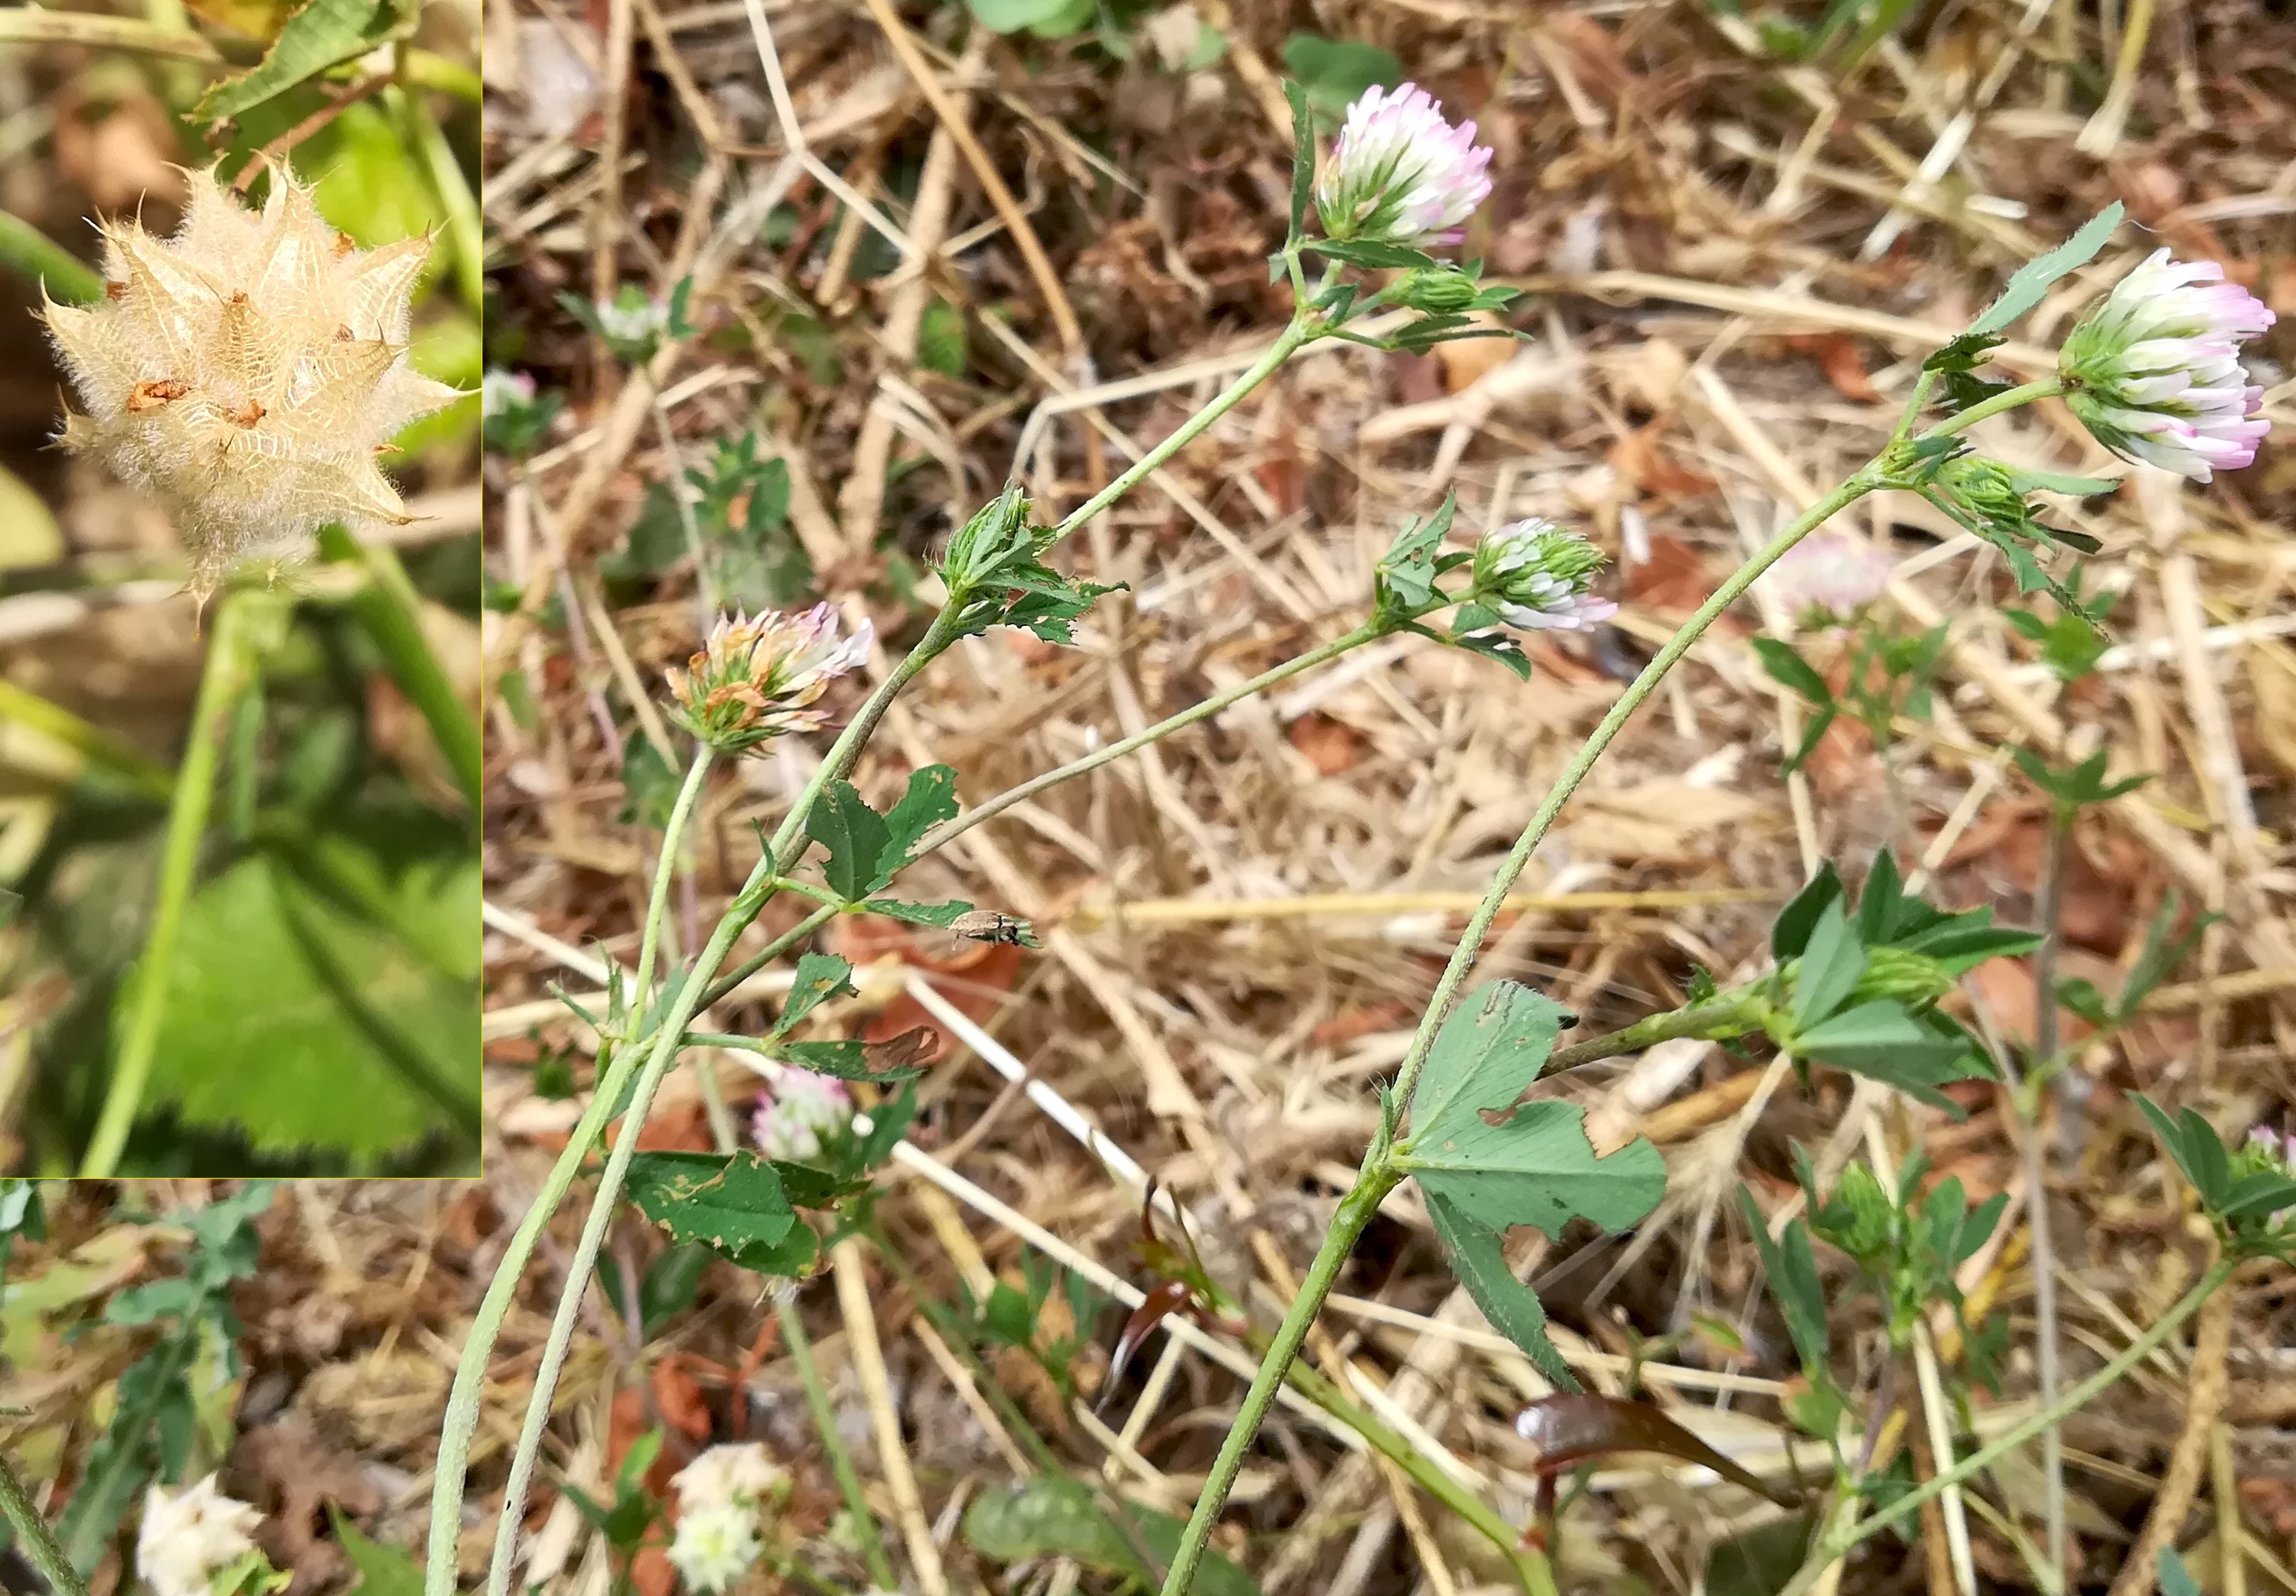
[
  {"x": 1727, "y": 1015},
  {"x": 1304, "y": 327},
  {"x": 782, "y": 851},
  {"x": 455, "y": 199},
  {"x": 1378, "y": 1174},
  {"x": 70, "y": 281},
  {"x": 2047, "y": 387},
  {"x": 391, "y": 610},
  {"x": 673, "y": 834},
  {"x": 221, "y": 681},
  {"x": 31, "y": 25},
  {"x": 1370, "y": 631},
  {"x": 1529, "y": 1564},
  {"x": 1837, "y": 1544},
  {"x": 58, "y": 724},
  {"x": 469, "y": 1390},
  {"x": 840, "y": 1459},
  {"x": 2051, "y": 910},
  {"x": 34, "y": 1538}
]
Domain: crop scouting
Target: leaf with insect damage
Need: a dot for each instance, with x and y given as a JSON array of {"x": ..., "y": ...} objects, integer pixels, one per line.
[{"x": 731, "y": 1203}]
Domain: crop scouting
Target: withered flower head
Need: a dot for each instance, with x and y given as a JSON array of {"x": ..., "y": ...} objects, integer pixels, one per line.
[
  {"x": 247, "y": 372},
  {"x": 754, "y": 680}
]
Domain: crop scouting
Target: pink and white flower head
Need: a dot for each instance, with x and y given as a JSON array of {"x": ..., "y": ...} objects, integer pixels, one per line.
[
  {"x": 2153, "y": 370},
  {"x": 2279, "y": 1149},
  {"x": 1536, "y": 574},
  {"x": 2268, "y": 1152},
  {"x": 1400, "y": 174},
  {"x": 1830, "y": 575},
  {"x": 804, "y": 1107},
  {"x": 501, "y": 392},
  {"x": 757, "y": 679},
  {"x": 186, "y": 1536}
]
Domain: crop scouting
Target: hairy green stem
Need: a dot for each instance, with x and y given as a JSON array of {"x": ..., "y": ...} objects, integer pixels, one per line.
[
  {"x": 1378, "y": 1174},
  {"x": 840, "y": 1458},
  {"x": 58, "y": 724},
  {"x": 468, "y": 1393},
  {"x": 673, "y": 834},
  {"x": 667, "y": 1042},
  {"x": 2051, "y": 910},
  {"x": 1304, "y": 327},
  {"x": 222, "y": 679},
  {"x": 33, "y": 1537},
  {"x": 2047, "y": 387},
  {"x": 592, "y": 1126},
  {"x": 1728, "y": 1016},
  {"x": 390, "y": 609},
  {"x": 666, "y": 1039},
  {"x": 1836, "y": 1545},
  {"x": 1370, "y": 631}
]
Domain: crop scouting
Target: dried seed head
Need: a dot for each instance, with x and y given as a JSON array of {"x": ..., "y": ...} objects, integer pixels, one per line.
[
  {"x": 187, "y": 1535},
  {"x": 247, "y": 372},
  {"x": 754, "y": 680},
  {"x": 714, "y": 1547}
]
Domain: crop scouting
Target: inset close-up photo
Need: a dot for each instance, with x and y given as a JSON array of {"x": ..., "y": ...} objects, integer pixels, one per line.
[{"x": 239, "y": 585}]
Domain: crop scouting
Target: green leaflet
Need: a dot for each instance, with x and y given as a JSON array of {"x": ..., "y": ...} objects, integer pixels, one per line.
[
  {"x": 1485, "y": 1165},
  {"x": 365, "y": 1046},
  {"x": 1055, "y": 1515},
  {"x": 383, "y": 1570},
  {"x": 731, "y": 1203},
  {"x": 1534, "y": 1166},
  {"x": 323, "y": 34}
]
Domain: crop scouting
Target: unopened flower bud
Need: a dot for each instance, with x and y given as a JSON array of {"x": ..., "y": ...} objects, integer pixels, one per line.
[
  {"x": 1400, "y": 174},
  {"x": 1912, "y": 979},
  {"x": 247, "y": 372},
  {"x": 2153, "y": 370},
  {"x": 757, "y": 679},
  {"x": 1536, "y": 574},
  {"x": 1000, "y": 534},
  {"x": 1438, "y": 290}
]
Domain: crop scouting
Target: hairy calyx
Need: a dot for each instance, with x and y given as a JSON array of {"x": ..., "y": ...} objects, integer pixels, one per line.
[{"x": 248, "y": 370}]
